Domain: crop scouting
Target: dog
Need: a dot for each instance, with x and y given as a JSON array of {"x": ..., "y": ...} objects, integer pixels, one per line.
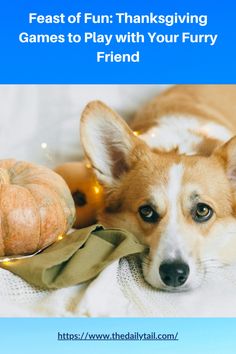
[{"x": 170, "y": 179}]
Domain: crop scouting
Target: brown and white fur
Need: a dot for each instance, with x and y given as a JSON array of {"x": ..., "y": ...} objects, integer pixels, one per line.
[{"x": 184, "y": 154}]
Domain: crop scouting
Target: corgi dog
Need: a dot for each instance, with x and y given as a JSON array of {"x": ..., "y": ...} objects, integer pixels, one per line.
[{"x": 170, "y": 179}]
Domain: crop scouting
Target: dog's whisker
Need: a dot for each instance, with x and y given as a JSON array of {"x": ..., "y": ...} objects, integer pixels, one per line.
[{"x": 212, "y": 262}]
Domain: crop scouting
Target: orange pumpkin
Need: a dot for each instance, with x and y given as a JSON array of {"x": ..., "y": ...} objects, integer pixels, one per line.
[
  {"x": 35, "y": 207},
  {"x": 86, "y": 191}
]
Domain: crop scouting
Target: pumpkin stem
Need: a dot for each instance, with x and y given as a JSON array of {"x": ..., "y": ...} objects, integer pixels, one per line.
[{"x": 4, "y": 176}]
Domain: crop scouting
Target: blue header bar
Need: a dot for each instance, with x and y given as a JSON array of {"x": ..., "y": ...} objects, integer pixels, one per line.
[{"x": 100, "y": 41}]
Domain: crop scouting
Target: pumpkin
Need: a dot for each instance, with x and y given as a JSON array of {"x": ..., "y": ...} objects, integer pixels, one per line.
[
  {"x": 36, "y": 207},
  {"x": 85, "y": 189}
]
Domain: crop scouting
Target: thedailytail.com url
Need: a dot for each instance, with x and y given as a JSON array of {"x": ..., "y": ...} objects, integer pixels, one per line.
[{"x": 117, "y": 336}]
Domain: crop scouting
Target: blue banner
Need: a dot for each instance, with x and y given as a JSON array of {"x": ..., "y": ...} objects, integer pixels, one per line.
[
  {"x": 100, "y": 41},
  {"x": 195, "y": 336}
]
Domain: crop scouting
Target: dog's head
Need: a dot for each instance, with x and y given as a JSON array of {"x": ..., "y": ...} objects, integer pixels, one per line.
[{"x": 181, "y": 207}]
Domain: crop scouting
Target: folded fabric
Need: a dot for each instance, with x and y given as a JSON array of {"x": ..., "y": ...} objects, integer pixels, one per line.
[{"x": 77, "y": 258}]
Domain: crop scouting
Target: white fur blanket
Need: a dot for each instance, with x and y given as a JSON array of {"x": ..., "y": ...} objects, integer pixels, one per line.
[{"x": 120, "y": 291}]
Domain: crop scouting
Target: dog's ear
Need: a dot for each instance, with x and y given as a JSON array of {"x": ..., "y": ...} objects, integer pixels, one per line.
[
  {"x": 107, "y": 141},
  {"x": 227, "y": 153}
]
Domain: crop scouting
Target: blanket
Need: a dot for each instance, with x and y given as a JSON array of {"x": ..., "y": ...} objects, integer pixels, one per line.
[{"x": 119, "y": 291}]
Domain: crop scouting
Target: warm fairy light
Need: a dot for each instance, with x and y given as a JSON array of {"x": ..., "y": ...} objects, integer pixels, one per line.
[
  {"x": 60, "y": 238},
  {"x": 96, "y": 189},
  {"x": 6, "y": 261},
  {"x": 136, "y": 133},
  {"x": 44, "y": 146},
  {"x": 47, "y": 152},
  {"x": 88, "y": 165}
]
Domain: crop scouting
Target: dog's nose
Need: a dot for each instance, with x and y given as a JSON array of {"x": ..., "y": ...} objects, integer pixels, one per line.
[{"x": 174, "y": 273}]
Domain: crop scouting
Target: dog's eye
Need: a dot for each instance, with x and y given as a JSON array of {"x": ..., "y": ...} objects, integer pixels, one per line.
[
  {"x": 202, "y": 212},
  {"x": 148, "y": 214}
]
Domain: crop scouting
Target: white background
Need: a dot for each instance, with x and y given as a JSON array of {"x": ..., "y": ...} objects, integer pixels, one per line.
[{"x": 32, "y": 116}]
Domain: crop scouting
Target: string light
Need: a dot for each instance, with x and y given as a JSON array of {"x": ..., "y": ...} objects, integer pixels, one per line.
[
  {"x": 47, "y": 152},
  {"x": 6, "y": 263},
  {"x": 136, "y": 132},
  {"x": 44, "y": 145},
  {"x": 96, "y": 189}
]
